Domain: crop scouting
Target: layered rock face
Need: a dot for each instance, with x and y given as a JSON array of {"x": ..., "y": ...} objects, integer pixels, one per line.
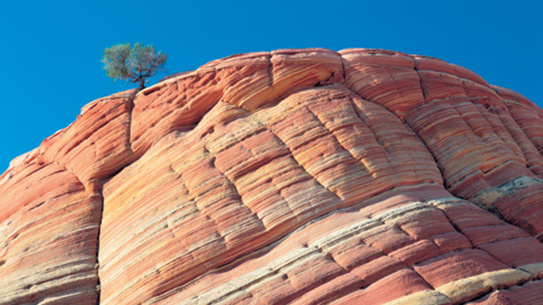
[{"x": 289, "y": 177}]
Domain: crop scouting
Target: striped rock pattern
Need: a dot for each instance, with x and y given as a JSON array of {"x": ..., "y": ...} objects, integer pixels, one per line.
[{"x": 285, "y": 177}]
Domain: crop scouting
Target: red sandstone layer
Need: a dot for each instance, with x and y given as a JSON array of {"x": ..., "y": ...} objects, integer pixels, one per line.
[{"x": 295, "y": 176}]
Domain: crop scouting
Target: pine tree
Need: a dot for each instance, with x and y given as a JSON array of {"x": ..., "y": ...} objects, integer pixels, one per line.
[{"x": 134, "y": 64}]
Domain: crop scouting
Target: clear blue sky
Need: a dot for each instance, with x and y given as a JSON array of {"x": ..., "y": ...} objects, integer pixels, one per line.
[{"x": 51, "y": 50}]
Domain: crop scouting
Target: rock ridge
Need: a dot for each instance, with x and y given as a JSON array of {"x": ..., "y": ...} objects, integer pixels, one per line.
[{"x": 364, "y": 168}]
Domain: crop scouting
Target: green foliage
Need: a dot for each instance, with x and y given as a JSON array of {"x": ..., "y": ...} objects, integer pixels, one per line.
[{"x": 134, "y": 64}]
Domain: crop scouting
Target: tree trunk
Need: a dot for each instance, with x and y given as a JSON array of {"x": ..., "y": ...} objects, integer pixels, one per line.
[{"x": 142, "y": 83}]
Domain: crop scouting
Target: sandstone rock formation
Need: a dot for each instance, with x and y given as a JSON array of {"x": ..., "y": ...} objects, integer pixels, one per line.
[{"x": 294, "y": 176}]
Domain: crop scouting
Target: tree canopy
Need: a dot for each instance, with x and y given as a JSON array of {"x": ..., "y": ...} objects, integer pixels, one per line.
[{"x": 133, "y": 65}]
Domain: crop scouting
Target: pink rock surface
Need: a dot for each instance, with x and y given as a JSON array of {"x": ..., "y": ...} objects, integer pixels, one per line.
[
  {"x": 527, "y": 294},
  {"x": 293, "y": 176},
  {"x": 49, "y": 237}
]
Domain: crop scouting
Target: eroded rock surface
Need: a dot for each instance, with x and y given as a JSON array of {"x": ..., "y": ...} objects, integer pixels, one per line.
[{"x": 293, "y": 176}]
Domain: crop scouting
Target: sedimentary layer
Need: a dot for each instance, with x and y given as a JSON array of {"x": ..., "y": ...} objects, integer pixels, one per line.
[{"x": 293, "y": 176}]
